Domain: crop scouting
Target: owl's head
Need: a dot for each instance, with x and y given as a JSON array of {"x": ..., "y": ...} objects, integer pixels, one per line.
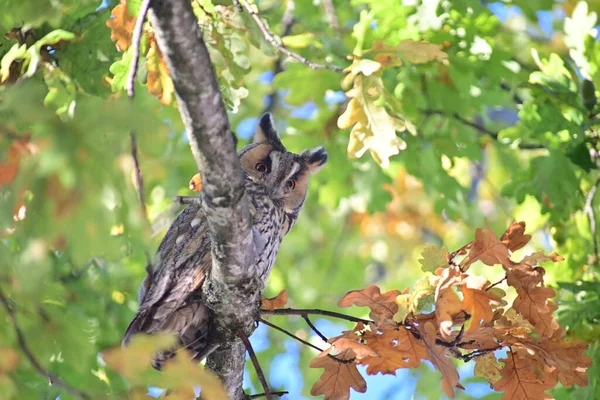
[{"x": 283, "y": 174}]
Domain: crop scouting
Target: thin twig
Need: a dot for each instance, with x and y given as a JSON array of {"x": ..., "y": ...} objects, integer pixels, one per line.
[
  {"x": 331, "y": 15},
  {"x": 292, "y": 311},
  {"x": 259, "y": 372},
  {"x": 187, "y": 200},
  {"x": 135, "y": 44},
  {"x": 54, "y": 380},
  {"x": 482, "y": 129},
  {"x": 258, "y": 396},
  {"x": 314, "y": 328},
  {"x": 495, "y": 284},
  {"x": 271, "y": 39},
  {"x": 589, "y": 210},
  {"x": 290, "y": 334},
  {"x": 138, "y": 176},
  {"x": 304, "y": 342}
]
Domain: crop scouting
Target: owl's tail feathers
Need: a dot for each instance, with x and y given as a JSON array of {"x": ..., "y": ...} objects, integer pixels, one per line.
[{"x": 135, "y": 326}]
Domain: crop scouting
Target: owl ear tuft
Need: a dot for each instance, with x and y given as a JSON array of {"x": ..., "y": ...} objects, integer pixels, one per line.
[
  {"x": 265, "y": 131},
  {"x": 315, "y": 159}
]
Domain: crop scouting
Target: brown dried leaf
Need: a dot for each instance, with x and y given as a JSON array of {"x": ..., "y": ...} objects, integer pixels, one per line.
[
  {"x": 524, "y": 378},
  {"x": 121, "y": 26},
  {"x": 438, "y": 356},
  {"x": 478, "y": 302},
  {"x": 196, "y": 183},
  {"x": 524, "y": 276},
  {"x": 382, "y": 305},
  {"x": 514, "y": 237},
  {"x": 534, "y": 305},
  {"x": 569, "y": 359},
  {"x": 338, "y": 378},
  {"x": 488, "y": 249},
  {"x": 10, "y": 165},
  {"x": 272, "y": 303}
]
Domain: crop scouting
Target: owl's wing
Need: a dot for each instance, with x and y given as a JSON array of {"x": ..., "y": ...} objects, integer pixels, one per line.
[{"x": 168, "y": 297}]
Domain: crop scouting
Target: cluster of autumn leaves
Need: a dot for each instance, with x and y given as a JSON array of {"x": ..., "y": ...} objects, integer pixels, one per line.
[{"x": 455, "y": 314}]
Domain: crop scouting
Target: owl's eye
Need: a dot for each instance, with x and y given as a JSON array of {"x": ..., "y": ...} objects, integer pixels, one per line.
[
  {"x": 291, "y": 184},
  {"x": 261, "y": 167}
]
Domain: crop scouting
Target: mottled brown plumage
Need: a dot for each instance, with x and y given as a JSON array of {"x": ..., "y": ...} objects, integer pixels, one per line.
[{"x": 170, "y": 296}]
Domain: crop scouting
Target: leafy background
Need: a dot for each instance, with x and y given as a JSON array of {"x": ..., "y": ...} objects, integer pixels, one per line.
[{"x": 503, "y": 128}]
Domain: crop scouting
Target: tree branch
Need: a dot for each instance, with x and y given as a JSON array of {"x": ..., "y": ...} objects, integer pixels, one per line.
[
  {"x": 314, "y": 328},
  {"x": 232, "y": 289},
  {"x": 302, "y": 312},
  {"x": 135, "y": 44},
  {"x": 54, "y": 380},
  {"x": 257, "y": 368},
  {"x": 138, "y": 177},
  {"x": 270, "y": 37},
  {"x": 258, "y": 396}
]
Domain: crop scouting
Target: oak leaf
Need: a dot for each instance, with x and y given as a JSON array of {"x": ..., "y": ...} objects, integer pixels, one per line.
[
  {"x": 524, "y": 276},
  {"x": 488, "y": 249},
  {"x": 121, "y": 26},
  {"x": 195, "y": 184},
  {"x": 159, "y": 81},
  {"x": 338, "y": 378},
  {"x": 383, "y": 305},
  {"x": 272, "y": 303},
  {"x": 568, "y": 357},
  {"x": 396, "y": 348},
  {"x": 514, "y": 237},
  {"x": 524, "y": 378},
  {"x": 182, "y": 374},
  {"x": 355, "y": 344},
  {"x": 534, "y": 305},
  {"x": 488, "y": 368},
  {"x": 433, "y": 258},
  {"x": 410, "y": 50},
  {"x": 439, "y": 358},
  {"x": 9, "y": 360},
  {"x": 447, "y": 306},
  {"x": 478, "y": 302}
]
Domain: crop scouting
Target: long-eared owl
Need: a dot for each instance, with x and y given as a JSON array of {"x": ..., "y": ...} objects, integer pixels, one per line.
[{"x": 276, "y": 183}]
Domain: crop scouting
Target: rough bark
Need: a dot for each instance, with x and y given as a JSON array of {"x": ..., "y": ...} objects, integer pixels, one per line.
[{"x": 232, "y": 290}]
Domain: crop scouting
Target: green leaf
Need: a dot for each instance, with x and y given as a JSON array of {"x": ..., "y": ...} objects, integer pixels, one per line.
[{"x": 433, "y": 258}]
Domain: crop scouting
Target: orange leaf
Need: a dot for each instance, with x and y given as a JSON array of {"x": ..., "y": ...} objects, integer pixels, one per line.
[
  {"x": 10, "y": 166},
  {"x": 524, "y": 378},
  {"x": 478, "y": 302},
  {"x": 382, "y": 305},
  {"x": 439, "y": 359},
  {"x": 534, "y": 305},
  {"x": 447, "y": 306},
  {"x": 396, "y": 349},
  {"x": 488, "y": 249},
  {"x": 354, "y": 343},
  {"x": 121, "y": 26},
  {"x": 196, "y": 183},
  {"x": 159, "y": 80},
  {"x": 272, "y": 303},
  {"x": 338, "y": 378},
  {"x": 9, "y": 360},
  {"x": 514, "y": 237}
]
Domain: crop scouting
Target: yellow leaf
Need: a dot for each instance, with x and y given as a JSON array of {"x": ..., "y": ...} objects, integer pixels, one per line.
[
  {"x": 135, "y": 359},
  {"x": 159, "y": 80},
  {"x": 414, "y": 52},
  {"x": 404, "y": 302},
  {"x": 373, "y": 128},
  {"x": 488, "y": 368},
  {"x": 182, "y": 374},
  {"x": 121, "y": 26},
  {"x": 433, "y": 258},
  {"x": 196, "y": 183},
  {"x": 300, "y": 41}
]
